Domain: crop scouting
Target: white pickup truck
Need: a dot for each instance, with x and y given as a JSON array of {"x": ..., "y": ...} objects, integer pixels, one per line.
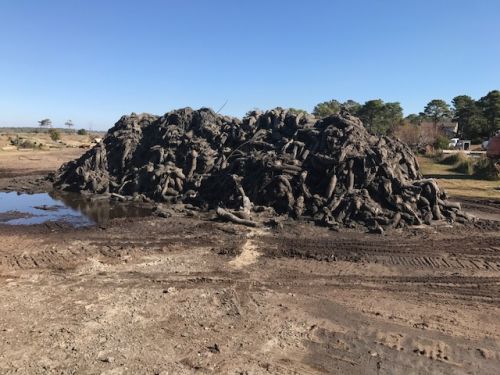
[{"x": 453, "y": 143}]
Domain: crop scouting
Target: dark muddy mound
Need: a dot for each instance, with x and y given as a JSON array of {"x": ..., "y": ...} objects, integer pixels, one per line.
[{"x": 331, "y": 170}]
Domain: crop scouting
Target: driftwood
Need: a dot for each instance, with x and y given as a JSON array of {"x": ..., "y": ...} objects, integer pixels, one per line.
[{"x": 226, "y": 215}]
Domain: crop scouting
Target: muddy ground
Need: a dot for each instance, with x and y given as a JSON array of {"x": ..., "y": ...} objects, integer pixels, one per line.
[
  {"x": 25, "y": 171},
  {"x": 196, "y": 296}
]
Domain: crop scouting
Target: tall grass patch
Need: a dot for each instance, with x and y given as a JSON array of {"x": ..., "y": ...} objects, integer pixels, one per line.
[{"x": 454, "y": 159}]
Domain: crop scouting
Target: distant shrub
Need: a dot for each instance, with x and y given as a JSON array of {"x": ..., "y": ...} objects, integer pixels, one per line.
[
  {"x": 55, "y": 135},
  {"x": 27, "y": 144},
  {"x": 465, "y": 167},
  {"x": 453, "y": 159},
  {"x": 81, "y": 132},
  {"x": 296, "y": 111},
  {"x": 441, "y": 142},
  {"x": 487, "y": 169}
]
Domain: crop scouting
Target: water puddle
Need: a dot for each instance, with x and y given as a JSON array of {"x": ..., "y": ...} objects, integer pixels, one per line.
[{"x": 26, "y": 209}]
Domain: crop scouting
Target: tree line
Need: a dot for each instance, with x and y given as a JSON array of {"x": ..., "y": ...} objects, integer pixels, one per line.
[{"x": 477, "y": 119}]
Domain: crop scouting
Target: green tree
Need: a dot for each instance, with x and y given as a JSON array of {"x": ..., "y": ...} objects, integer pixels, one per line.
[
  {"x": 379, "y": 117},
  {"x": 437, "y": 110},
  {"x": 325, "y": 109},
  {"x": 352, "y": 106},
  {"x": 45, "y": 123},
  {"x": 333, "y": 107},
  {"x": 370, "y": 112},
  {"x": 471, "y": 123},
  {"x": 490, "y": 106},
  {"x": 69, "y": 124},
  {"x": 392, "y": 115},
  {"x": 441, "y": 142}
]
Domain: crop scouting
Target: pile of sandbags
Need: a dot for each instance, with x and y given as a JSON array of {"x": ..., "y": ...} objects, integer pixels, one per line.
[{"x": 330, "y": 170}]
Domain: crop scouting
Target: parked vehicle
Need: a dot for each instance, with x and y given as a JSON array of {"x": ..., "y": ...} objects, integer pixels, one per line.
[
  {"x": 453, "y": 143},
  {"x": 463, "y": 145}
]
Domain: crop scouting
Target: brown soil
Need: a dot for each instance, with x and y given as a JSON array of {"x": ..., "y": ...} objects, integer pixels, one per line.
[{"x": 184, "y": 295}]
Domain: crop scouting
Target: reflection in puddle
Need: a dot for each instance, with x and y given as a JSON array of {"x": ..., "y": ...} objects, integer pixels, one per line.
[{"x": 25, "y": 209}]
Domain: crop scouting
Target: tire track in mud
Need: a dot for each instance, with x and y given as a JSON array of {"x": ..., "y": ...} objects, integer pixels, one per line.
[
  {"x": 56, "y": 246},
  {"x": 423, "y": 262},
  {"x": 468, "y": 289},
  {"x": 69, "y": 255},
  {"x": 415, "y": 261},
  {"x": 482, "y": 255},
  {"x": 471, "y": 253}
]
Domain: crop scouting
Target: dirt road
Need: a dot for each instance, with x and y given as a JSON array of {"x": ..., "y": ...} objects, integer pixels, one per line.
[{"x": 192, "y": 295}]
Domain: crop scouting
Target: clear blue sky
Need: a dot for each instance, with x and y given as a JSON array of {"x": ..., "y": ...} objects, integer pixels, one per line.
[{"x": 92, "y": 61}]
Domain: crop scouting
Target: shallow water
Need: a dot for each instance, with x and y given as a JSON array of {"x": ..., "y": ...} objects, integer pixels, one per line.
[{"x": 26, "y": 209}]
